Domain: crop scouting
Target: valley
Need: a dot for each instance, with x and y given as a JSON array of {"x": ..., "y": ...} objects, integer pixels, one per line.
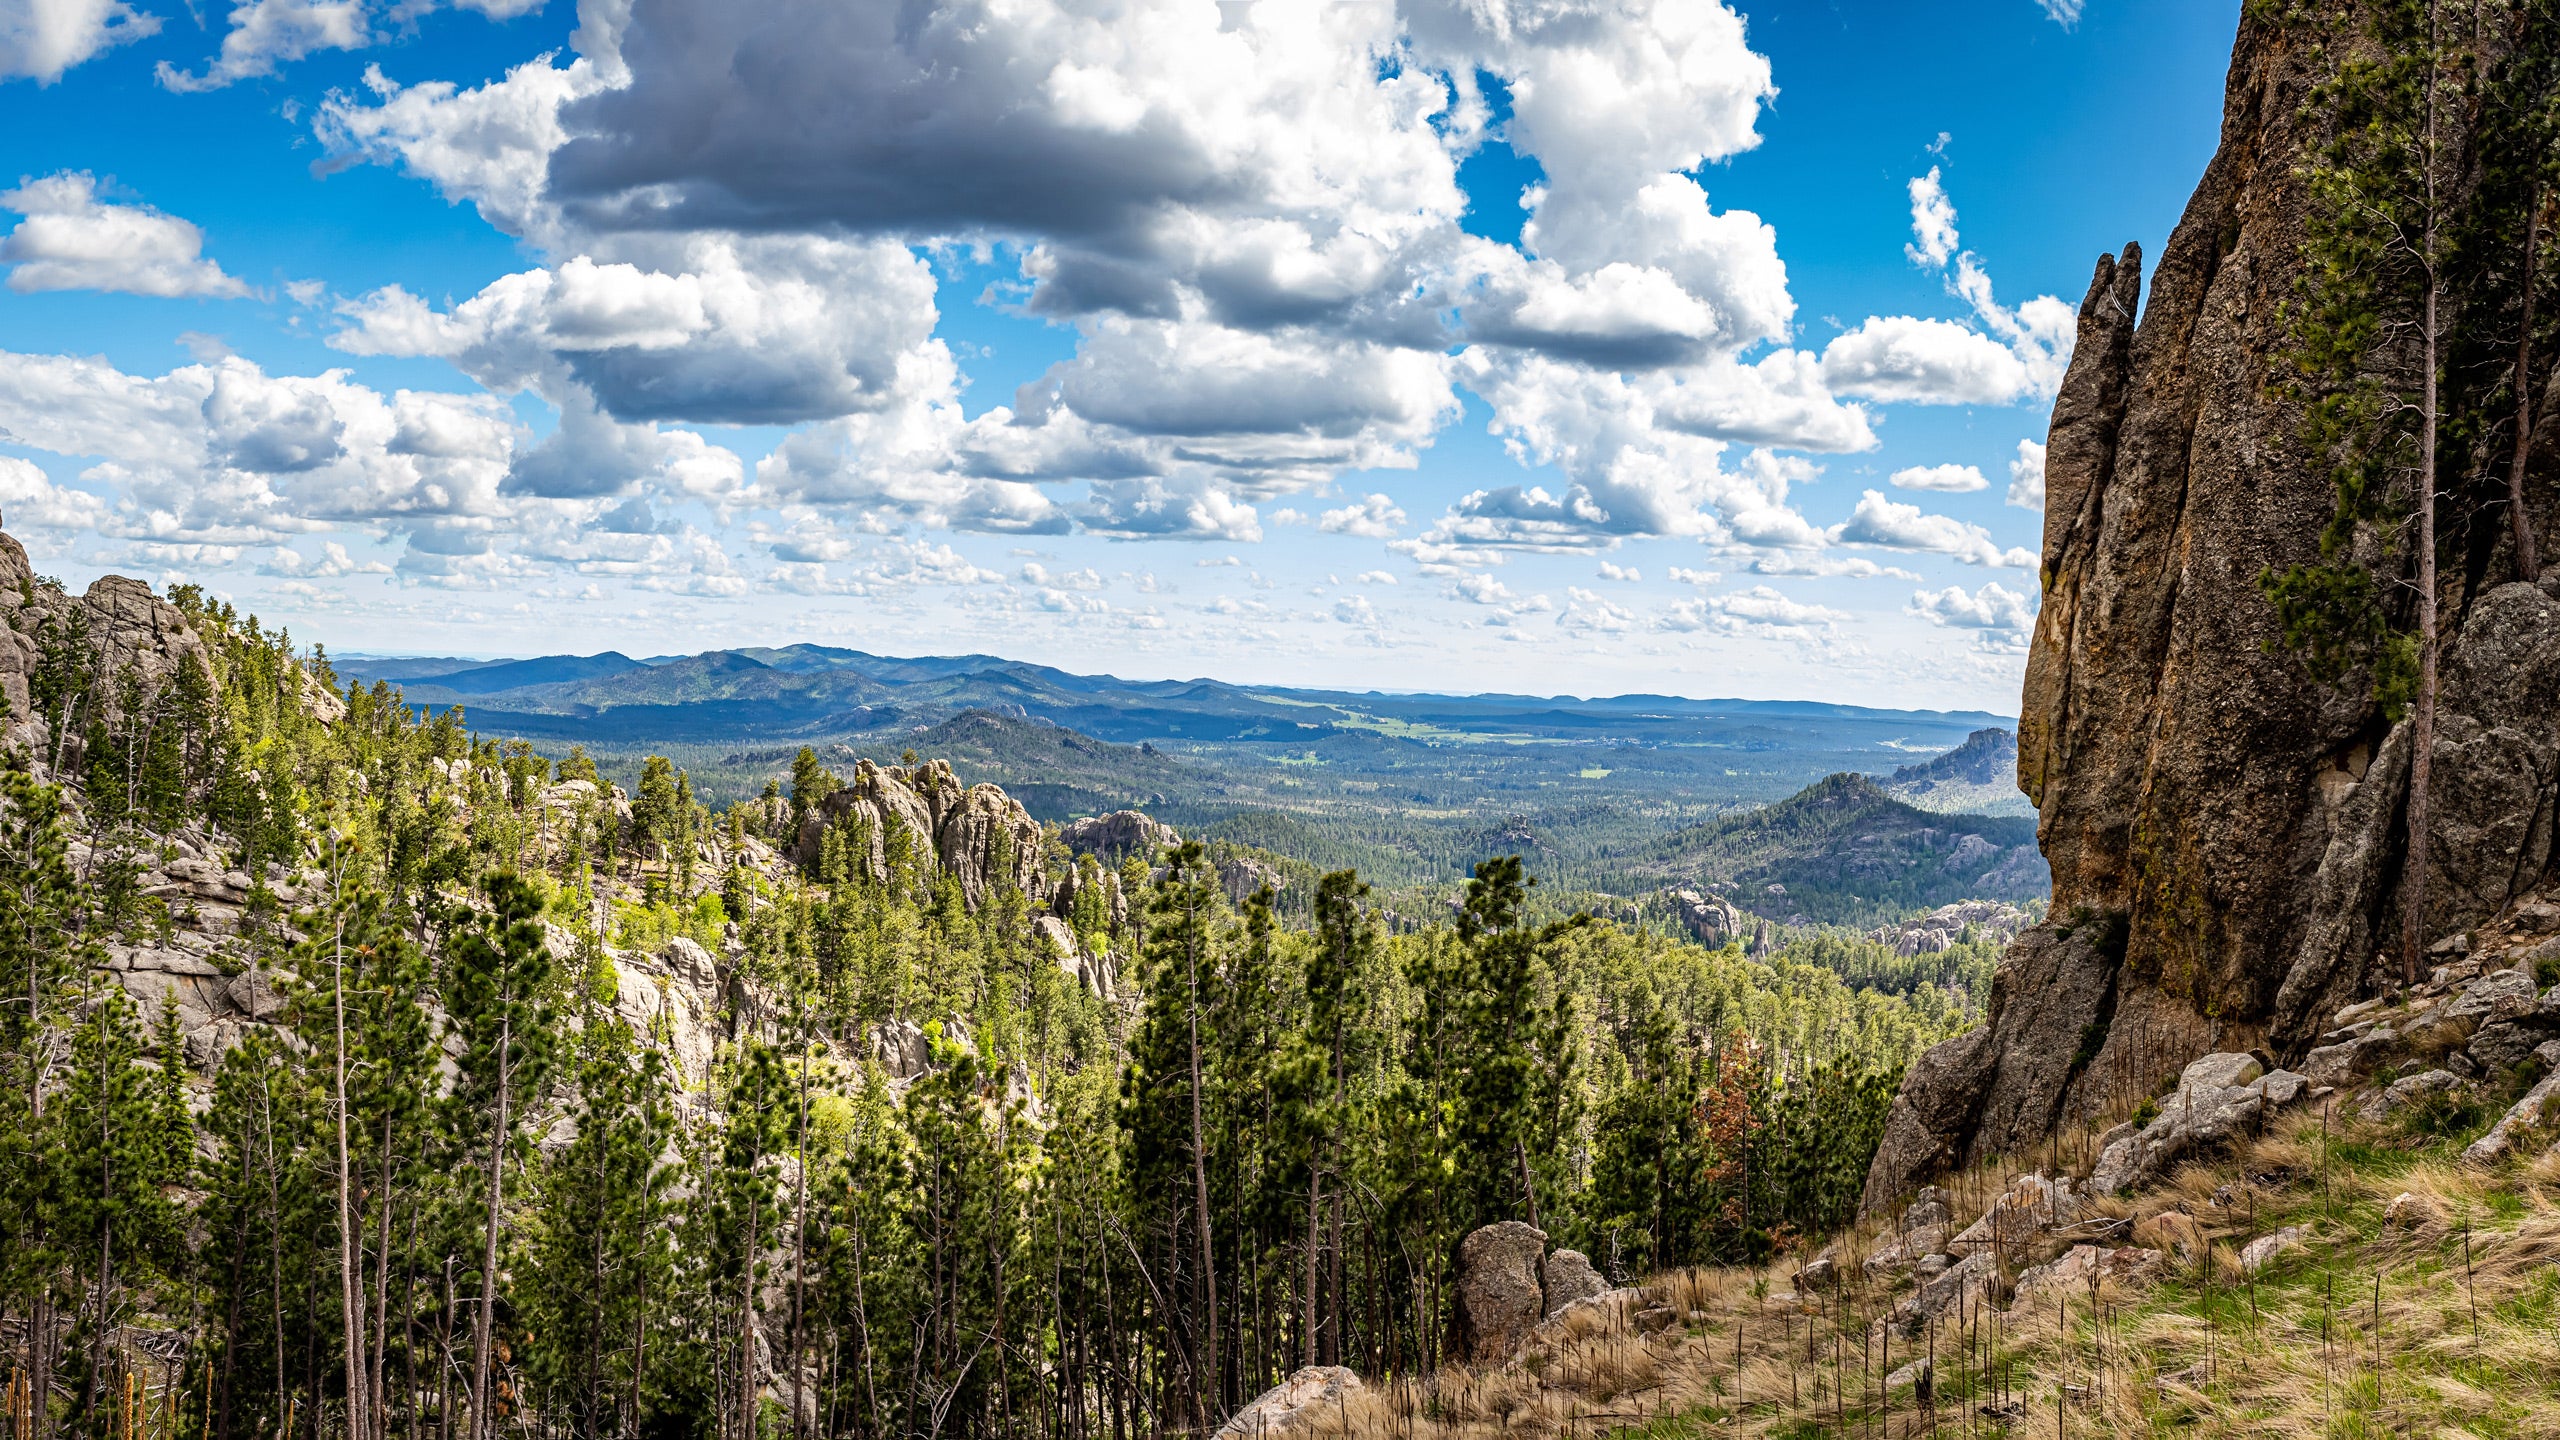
[{"x": 1612, "y": 797}]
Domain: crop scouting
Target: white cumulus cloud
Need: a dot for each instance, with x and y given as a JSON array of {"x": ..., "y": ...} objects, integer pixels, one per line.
[
  {"x": 1761, "y": 609},
  {"x": 1896, "y": 526},
  {"x": 1933, "y": 222},
  {"x": 2026, "y": 476},
  {"x": 1943, "y": 479},
  {"x": 1993, "y": 607},
  {"x": 1376, "y": 517},
  {"x": 73, "y": 240},
  {"x": 40, "y": 39}
]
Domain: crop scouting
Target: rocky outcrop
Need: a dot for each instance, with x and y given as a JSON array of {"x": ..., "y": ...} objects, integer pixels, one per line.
[
  {"x": 1094, "y": 971},
  {"x": 1241, "y": 875},
  {"x": 1120, "y": 834},
  {"x": 1710, "y": 919},
  {"x": 1299, "y": 1402},
  {"x": 1499, "y": 1296},
  {"x": 978, "y": 834},
  {"x": 2233, "y": 824},
  {"x": 128, "y": 631},
  {"x": 1942, "y": 929},
  {"x": 2219, "y": 1099},
  {"x": 1105, "y": 883},
  {"x": 1997, "y": 1089}
]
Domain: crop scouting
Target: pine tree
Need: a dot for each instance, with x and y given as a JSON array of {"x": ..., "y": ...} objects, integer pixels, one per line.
[
  {"x": 495, "y": 990},
  {"x": 600, "y": 1259}
]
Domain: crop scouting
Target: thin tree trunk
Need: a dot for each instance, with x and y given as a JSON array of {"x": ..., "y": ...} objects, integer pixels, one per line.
[
  {"x": 350, "y": 1248},
  {"x": 1528, "y": 1182},
  {"x": 444, "y": 1364},
  {"x": 800, "y": 1244},
  {"x": 98, "y": 1348},
  {"x": 40, "y": 1320},
  {"x": 2528, "y": 563},
  {"x": 378, "y": 1393},
  {"x": 220, "y": 1420},
  {"x": 1315, "y": 1223},
  {"x": 1208, "y": 1379},
  {"x": 480, "y": 1427},
  {"x": 2413, "y": 932}
]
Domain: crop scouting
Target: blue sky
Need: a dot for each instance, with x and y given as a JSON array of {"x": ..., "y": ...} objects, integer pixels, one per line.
[{"x": 1166, "y": 337}]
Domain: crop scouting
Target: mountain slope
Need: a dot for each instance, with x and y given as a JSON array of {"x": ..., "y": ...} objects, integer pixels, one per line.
[
  {"x": 518, "y": 674},
  {"x": 1979, "y": 777},
  {"x": 1843, "y": 851}
]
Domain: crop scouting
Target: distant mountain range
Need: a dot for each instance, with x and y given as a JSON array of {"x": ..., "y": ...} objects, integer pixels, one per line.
[
  {"x": 797, "y": 689},
  {"x": 1621, "y": 795}
]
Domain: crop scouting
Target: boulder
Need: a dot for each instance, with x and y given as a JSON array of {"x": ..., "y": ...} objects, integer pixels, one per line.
[
  {"x": 2261, "y": 1252},
  {"x": 2507, "y": 1044},
  {"x": 1499, "y": 1298},
  {"x": 2218, "y": 1099},
  {"x": 2523, "y": 1118},
  {"x": 685, "y": 960},
  {"x": 2498, "y": 995},
  {"x": 1293, "y": 1403},
  {"x": 2408, "y": 1211},
  {"x": 2126, "y": 1264},
  {"x": 1820, "y": 1273},
  {"x": 1568, "y": 1277},
  {"x": 253, "y": 993},
  {"x": 2031, "y": 1205},
  {"x": 2350, "y": 1060},
  {"x": 1906, "y": 1249},
  {"x": 208, "y": 1043},
  {"x": 1961, "y": 1283},
  {"x": 2406, "y": 1091},
  {"x": 902, "y": 1048}
]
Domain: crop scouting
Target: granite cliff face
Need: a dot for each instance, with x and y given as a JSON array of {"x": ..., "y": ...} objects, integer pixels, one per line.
[
  {"x": 2226, "y": 836},
  {"x": 977, "y": 832},
  {"x": 123, "y": 629}
]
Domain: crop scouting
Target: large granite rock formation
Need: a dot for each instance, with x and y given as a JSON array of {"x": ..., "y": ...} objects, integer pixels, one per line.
[
  {"x": 2225, "y": 835},
  {"x": 1119, "y": 834},
  {"x": 128, "y": 631},
  {"x": 980, "y": 835}
]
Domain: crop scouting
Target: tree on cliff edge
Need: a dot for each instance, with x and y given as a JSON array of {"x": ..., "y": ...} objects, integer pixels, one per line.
[{"x": 2368, "y": 342}]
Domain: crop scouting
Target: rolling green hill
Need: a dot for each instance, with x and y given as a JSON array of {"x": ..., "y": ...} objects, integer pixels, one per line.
[{"x": 1844, "y": 852}]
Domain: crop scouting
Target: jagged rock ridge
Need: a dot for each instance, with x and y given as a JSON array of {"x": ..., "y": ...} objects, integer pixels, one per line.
[{"x": 2224, "y": 834}]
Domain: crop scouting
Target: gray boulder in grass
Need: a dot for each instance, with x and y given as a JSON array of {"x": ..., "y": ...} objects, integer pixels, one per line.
[{"x": 1500, "y": 1299}]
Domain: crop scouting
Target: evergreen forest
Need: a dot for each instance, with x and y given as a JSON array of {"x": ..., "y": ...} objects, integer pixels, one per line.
[{"x": 523, "y": 1107}]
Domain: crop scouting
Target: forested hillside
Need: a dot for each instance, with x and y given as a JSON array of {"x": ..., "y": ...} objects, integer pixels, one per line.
[
  {"x": 370, "y": 1078},
  {"x": 1410, "y": 789}
]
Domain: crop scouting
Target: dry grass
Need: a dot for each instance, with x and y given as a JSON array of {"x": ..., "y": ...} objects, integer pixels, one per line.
[{"x": 2369, "y": 1329}]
